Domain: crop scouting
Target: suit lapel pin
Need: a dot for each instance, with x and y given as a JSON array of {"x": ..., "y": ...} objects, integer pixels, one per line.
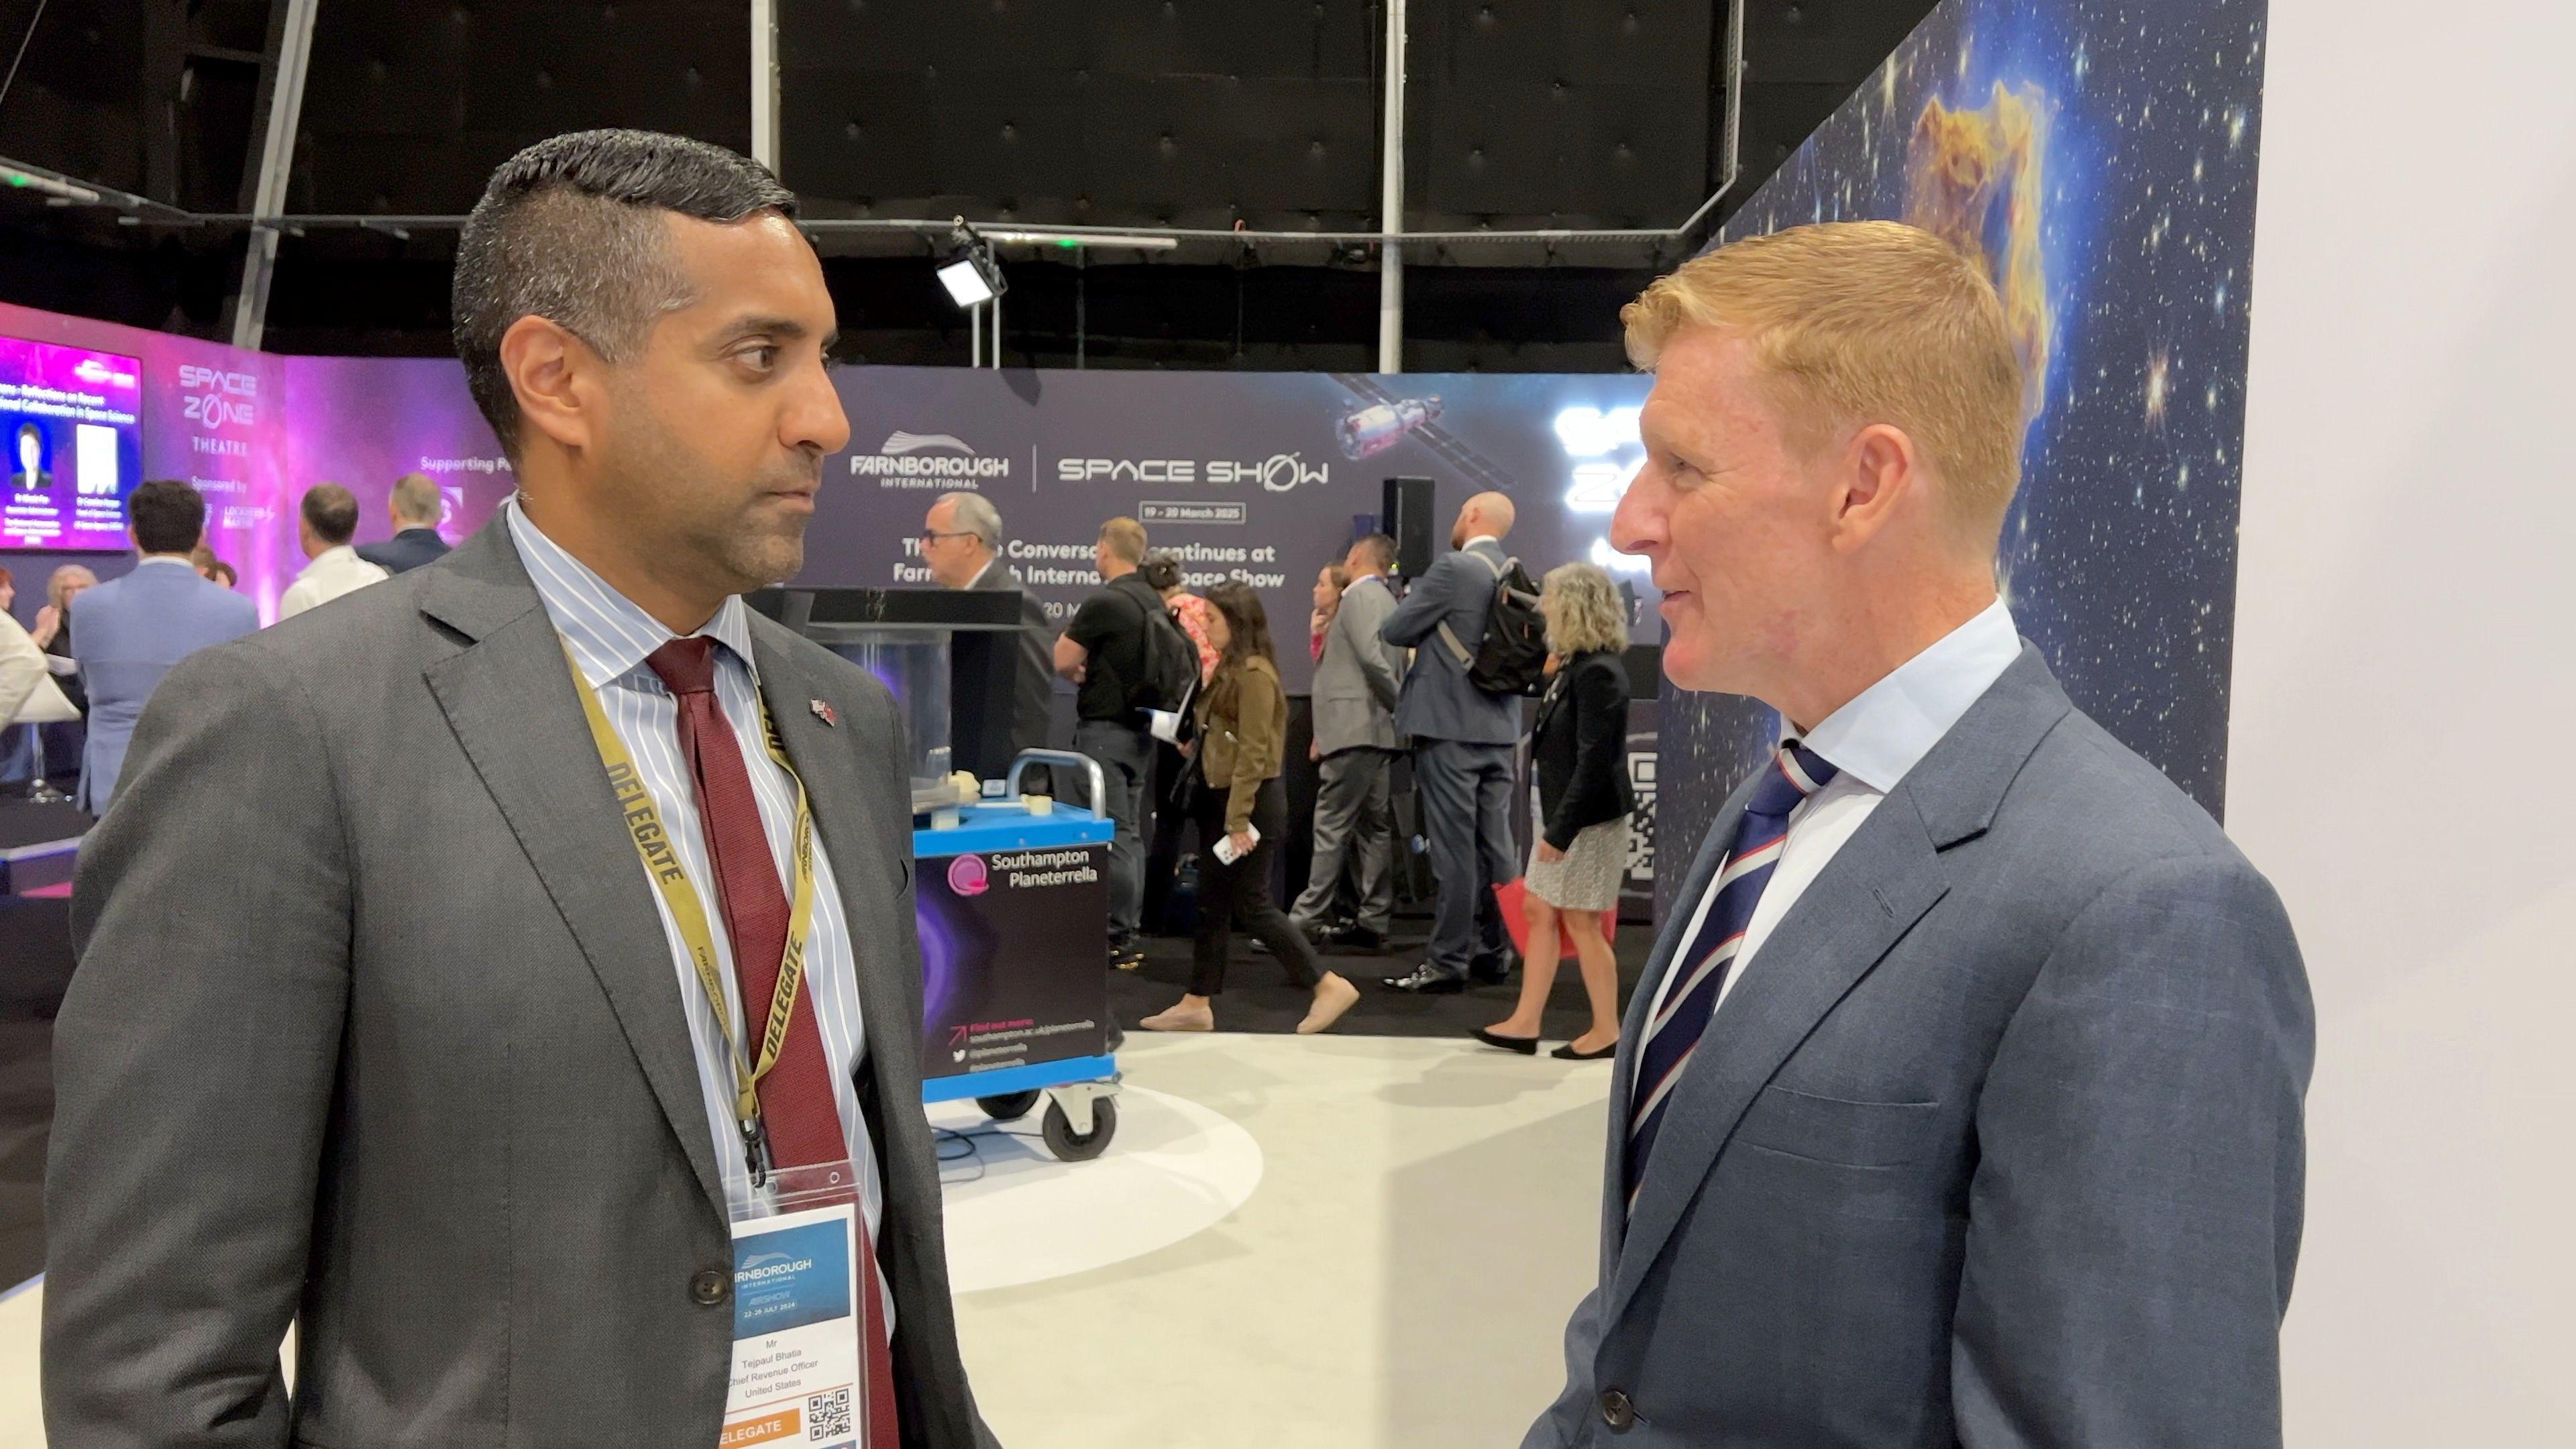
[{"x": 825, "y": 712}]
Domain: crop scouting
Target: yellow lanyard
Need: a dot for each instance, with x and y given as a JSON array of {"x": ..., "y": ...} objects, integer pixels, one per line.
[{"x": 662, "y": 863}]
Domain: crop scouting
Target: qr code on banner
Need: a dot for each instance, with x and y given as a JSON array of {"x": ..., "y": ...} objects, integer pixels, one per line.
[{"x": 827, "y": 1416}]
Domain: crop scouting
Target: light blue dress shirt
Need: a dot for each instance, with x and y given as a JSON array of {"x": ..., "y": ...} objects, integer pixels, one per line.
[{"x": 610, "y": 636}]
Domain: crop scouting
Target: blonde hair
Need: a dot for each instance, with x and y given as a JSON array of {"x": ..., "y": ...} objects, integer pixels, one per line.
[
  {"x": 1864, "y": 322},
  {"x": 1126, "y": 539},
  {"x": 415, "y": 498},
  {"x": 1583, "y": 609}
]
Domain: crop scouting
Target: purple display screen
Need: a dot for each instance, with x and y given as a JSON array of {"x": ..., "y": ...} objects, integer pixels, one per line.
[{"x": 71, "y": 437}]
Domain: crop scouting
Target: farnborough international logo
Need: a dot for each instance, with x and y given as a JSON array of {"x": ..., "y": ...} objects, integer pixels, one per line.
[{"x": 927, "y": 460}]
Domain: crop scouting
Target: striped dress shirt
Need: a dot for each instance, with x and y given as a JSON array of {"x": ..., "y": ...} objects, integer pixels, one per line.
[{"x": 610, "y": 637}]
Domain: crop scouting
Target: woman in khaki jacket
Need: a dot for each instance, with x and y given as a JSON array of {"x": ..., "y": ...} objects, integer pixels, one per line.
[{"x": 1241, "y": 808}]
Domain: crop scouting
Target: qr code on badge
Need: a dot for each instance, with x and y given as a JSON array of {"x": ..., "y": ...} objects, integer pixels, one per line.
[{"x": 827, "y": 1416}]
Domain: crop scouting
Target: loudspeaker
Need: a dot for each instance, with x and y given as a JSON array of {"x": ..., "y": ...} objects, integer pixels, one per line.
[{"x": 1406, "y": 517}]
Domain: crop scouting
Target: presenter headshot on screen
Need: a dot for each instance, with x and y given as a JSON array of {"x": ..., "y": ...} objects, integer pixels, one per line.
[
  {"x": 29, "y": 475},
  {"x": 562, "y": 1086},
  {"x": 1960, "y": 1101}
]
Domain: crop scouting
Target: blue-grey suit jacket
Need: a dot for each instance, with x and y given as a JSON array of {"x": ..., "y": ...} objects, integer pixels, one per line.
[
  {"x": 1438, "y": 703},
  {"x": 1997, "y": 1143},
  {"x": 127, "y": 633}
]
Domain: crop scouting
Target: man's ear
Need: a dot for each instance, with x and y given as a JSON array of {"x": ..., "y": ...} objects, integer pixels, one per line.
[
  {"x": 1880, "y": 474},
  {"x": 554, "y": 375}
]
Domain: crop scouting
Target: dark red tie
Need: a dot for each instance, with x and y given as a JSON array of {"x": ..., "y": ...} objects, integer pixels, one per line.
[{"x": 796, "y": 1101}]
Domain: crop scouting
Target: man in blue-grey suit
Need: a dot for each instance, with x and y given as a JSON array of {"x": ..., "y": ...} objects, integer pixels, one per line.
[
  {"x": 1960, "y": 1101},
  {"x": 1462, "y": 750},
  {"x": 128, "y": 632}
]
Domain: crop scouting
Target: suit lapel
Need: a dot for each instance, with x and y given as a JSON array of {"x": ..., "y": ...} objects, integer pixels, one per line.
[
  {"x": 509, "y": 698},
  {"x": 1877, "y": 886},
  {"x": 847, "y": 822}
]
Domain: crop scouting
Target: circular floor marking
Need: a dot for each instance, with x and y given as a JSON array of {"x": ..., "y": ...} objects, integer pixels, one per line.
[{"x": 1016, "y": 1215}]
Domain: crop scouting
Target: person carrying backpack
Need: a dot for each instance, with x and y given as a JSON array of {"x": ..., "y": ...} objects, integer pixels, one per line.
[
  {"x": 1128, "y": 656},
  {"x": 1471, "y": 623}
]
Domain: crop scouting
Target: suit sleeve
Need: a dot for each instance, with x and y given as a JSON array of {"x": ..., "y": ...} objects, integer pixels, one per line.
[
  {"x": 1369, "y": 650},
  {"x": 2135, "y": 1214},
  {"x": 1423, "y": 604},
  {"x": 194, "y": 1064},
  {"x": 22, "y": 668}
]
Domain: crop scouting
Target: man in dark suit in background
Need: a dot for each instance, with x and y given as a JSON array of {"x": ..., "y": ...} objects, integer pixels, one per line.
[
  {"x": 1462, "y": 750},
  {"x": 1959, "y": 1106},
  {"x": 417, "y": 511},
  {"x": 961, "y": 541},
  {"x": 448, "y": 1079}
]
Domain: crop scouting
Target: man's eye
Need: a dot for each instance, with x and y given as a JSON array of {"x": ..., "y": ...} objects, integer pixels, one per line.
[{"x": 762, "y": 359}]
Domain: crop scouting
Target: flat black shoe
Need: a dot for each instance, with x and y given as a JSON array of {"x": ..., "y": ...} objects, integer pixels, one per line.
[
  {"x": 1524, "y": 1045},
  {"x": 1567, "y": 1053},
  {"x": 1429, "y": 980}
]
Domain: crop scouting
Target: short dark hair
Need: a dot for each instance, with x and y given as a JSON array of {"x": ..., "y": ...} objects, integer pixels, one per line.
[
  {"x": 1160, "y": 571},
  {"x": 1380, "y": 549},
  {"x": 168, "y": 516},
  {"x": 569, "y": 230},
  {"x": 331, "y": 511}
]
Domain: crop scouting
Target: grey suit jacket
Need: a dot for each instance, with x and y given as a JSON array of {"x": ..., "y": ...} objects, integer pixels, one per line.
[
  {"x": 375, "y": 1028},
  {"x": 1438, "y": 702},
  {"x": 1356, "y": 688},
  {"x": 1997, "y": 1143}
]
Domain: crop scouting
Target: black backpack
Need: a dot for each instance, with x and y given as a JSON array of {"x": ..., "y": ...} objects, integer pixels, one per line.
[
  {"x": 1511, "y": 658},
  {"x": 1171, "y": 661}
]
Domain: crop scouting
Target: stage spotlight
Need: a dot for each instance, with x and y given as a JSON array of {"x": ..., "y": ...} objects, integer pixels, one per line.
[{"x": 971, "y": 281}]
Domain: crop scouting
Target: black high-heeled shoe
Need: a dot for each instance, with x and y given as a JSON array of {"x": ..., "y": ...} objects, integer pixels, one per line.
[
  {"x": 1567, "y": 1053},
  {"x": 1525, "y": 1045}
]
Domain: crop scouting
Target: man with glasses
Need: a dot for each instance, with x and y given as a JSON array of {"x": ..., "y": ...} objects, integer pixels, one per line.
[{"x": 961, "y": 541}]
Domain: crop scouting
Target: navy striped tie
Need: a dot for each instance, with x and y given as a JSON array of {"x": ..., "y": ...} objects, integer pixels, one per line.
[{"x": 1700, "y": 968}]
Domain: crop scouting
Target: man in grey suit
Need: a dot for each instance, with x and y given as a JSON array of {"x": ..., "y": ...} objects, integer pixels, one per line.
[
  {"x": 961, "y": 541},
  {"x": 128, "y": 632},
  {"x": 1355, "y": 693},
  {"x": 1960, "y": 1102},
  {"x": 1462, "y": 750},
  {"x": 431, "y": 1061}
]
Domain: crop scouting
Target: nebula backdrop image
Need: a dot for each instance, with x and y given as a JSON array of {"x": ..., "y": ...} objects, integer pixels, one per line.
[{"x": 2100, "y": 154}]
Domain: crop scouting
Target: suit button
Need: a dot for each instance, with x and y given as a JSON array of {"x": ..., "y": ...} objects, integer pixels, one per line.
[
  {"x": 1617, "y": 1412},
  {"x": 709, "y": 1288}
]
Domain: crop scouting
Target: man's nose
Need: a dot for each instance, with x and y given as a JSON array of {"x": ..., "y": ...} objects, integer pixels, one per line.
[{"x": 1637, "y": 525}]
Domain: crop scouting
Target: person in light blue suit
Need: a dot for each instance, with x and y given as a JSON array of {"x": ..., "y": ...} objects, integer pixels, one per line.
[{"x": 129, "y": 631}]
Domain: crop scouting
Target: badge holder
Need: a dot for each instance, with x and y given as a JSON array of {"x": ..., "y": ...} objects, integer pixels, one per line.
[{"x": 798, "y": 1375}]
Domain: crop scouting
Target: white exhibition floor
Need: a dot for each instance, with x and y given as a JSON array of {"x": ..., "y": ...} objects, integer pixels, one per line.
[{"x": 1331, "y": 1241}]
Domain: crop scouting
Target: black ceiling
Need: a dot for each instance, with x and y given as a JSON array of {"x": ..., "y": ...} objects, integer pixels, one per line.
[{"x": 1129, "y": 113}]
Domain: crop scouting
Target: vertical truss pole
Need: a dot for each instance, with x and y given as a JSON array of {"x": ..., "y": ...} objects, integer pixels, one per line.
[
  {"x": 764, "y": 83},
  {"x": 1390, "y": 266},
  {"x": 276, "y": 155}
]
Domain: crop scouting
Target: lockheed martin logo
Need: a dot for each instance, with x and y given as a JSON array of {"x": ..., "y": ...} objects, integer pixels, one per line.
[{"x": 926, "y": 460}]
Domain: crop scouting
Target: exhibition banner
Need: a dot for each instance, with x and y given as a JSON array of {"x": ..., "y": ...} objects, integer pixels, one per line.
[
  {"x": 1259, "y": 477},
  {"x": 2101, "y": 158}
]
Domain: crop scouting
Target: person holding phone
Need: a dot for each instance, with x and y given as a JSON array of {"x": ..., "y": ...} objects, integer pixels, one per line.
[{"x": 1241, "y": 811}]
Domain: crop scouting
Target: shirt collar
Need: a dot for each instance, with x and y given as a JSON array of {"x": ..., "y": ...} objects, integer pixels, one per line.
[
  {"x": 1362, "y": 579},
  {"x": 1888, "y": 728},
  {"x": 164, "y": 558},
  {"x": 1482, "y": 538},
  {"x": 609, "y": 634},
  {"x": 332, "y": 557}
]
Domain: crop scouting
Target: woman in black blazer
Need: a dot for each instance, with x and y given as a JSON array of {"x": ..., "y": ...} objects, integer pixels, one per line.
[{"x": 1580, "y": 755}]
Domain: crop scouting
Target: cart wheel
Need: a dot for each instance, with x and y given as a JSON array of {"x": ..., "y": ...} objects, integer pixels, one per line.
[
  {"x": 1009, "y": 1107},
  {"x": 1060, "y": 1138}
]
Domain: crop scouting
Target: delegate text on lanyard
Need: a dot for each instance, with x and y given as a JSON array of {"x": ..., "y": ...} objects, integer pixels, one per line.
[{"x": 662, "y": 863}]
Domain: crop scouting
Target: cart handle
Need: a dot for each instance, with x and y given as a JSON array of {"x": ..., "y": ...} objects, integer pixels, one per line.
[{"x": 1091, "y": 767}]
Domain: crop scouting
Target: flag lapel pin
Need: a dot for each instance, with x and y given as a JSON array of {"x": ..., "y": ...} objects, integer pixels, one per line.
[{"x": 825, "y": 712}]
